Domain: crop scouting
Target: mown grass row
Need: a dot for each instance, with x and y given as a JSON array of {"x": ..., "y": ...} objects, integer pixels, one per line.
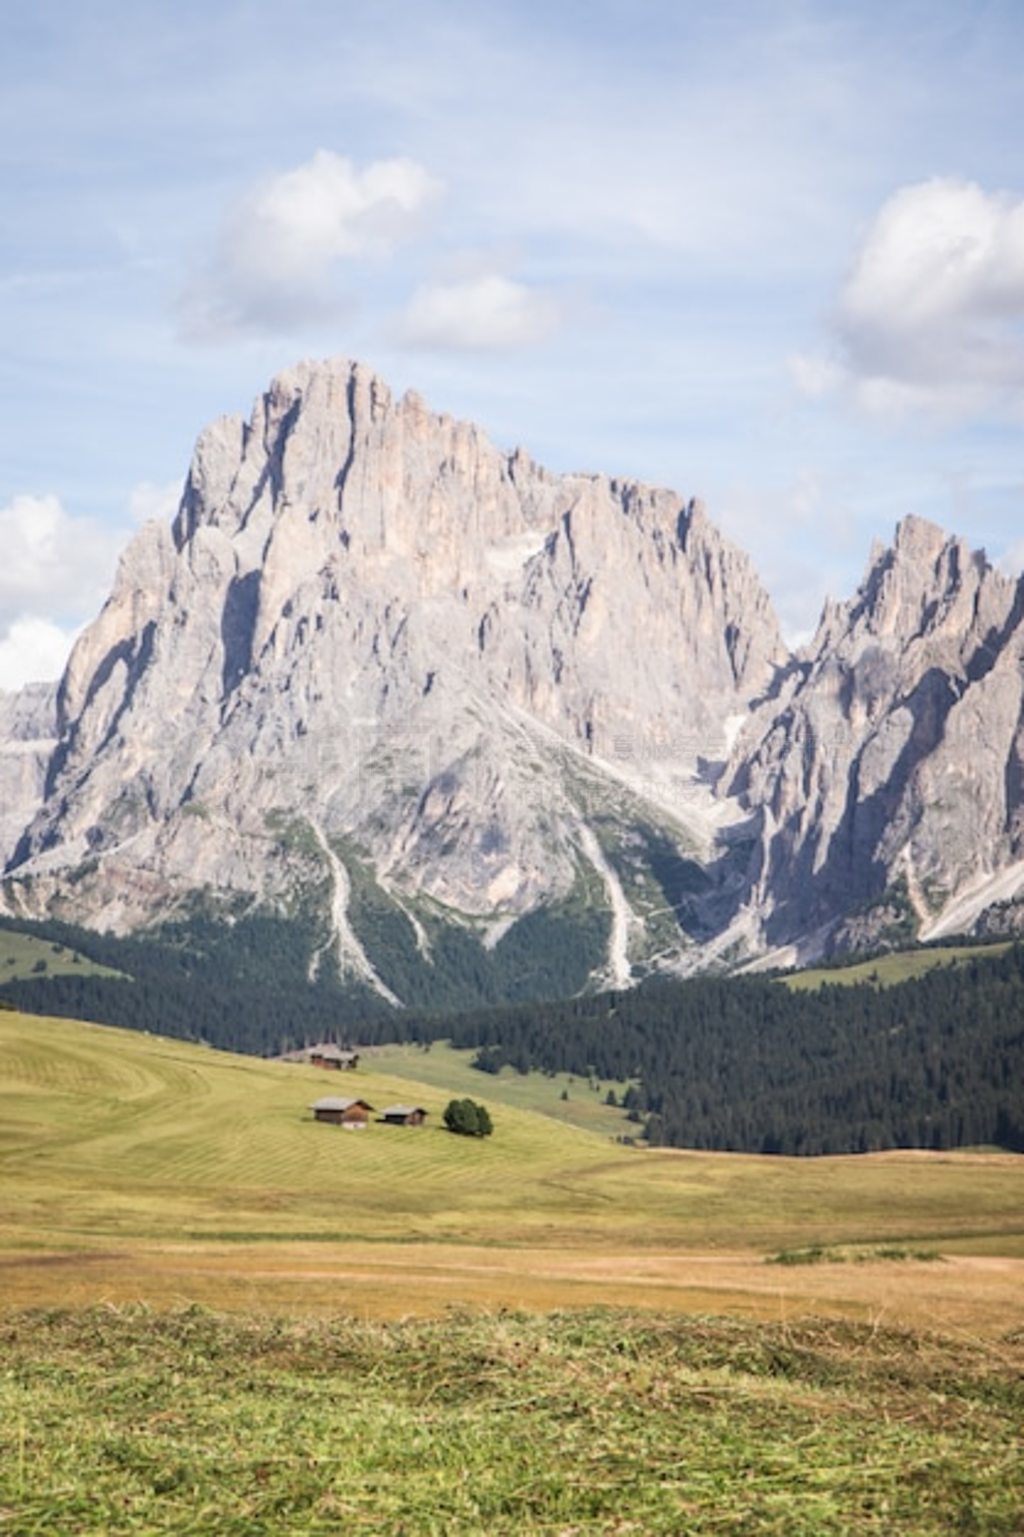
[
  {"x": 127, "y": 1422},
  {"x": 563, "y": 1096},
  {"x": 122, "y": 1135}
]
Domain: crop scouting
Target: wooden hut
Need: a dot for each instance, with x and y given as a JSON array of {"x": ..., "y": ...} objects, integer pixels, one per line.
[
  {"x": 403, "y": 1115},
  {"x": 333, "y": 1057},
  {"x": 353, "y": 1114}
]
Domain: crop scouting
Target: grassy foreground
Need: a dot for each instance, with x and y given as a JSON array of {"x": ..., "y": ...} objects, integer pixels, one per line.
[
  {"x": 125, "y": 1422},
  {"x": 219, "y": 1316}
]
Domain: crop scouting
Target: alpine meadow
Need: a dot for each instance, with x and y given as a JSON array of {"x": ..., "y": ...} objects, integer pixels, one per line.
[{"x": 512, "y": 770}]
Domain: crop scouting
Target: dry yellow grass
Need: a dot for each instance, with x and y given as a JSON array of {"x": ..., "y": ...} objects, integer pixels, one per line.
[
  {"x": 967, "y": 1295},
  {"x": 134, "y": 1168}
]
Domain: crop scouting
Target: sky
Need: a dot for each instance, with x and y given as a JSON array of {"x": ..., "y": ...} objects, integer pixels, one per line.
[{"x": 769, "y": 253}]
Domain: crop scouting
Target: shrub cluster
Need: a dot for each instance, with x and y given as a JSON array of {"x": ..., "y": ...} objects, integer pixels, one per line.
[{"x": 468, "y": 1119}]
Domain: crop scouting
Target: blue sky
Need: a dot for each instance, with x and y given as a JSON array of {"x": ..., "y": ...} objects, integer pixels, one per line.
[{"x": 770, "y": 254}]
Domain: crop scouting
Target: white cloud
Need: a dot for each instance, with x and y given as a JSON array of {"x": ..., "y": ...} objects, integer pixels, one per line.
[
  {"x": 478, "y": 313},
  {"x": 147, "y": 501},
  {"x": 33, "y": 650},
  {"x": 30, "y": 529},
  {"x": 55, "y": 572},
  {"x": 51, "y": 558},
  {"x": 815, "y": 377},
  {"x": 275, "y": 260},
  {"x": 931, "y": 314}
]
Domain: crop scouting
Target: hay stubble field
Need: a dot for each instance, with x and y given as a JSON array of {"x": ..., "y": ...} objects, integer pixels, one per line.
[
  {"x": 139, "y": 1169},
  {"x": 217, "y": 1315}
]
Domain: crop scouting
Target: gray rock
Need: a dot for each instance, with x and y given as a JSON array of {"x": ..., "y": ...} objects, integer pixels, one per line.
[
  {"x": 28, "y": 736},
  {"x": 373, "y": 647},
  {"x": 886, "y": 775},
  {"x": 370, "y": 627}
]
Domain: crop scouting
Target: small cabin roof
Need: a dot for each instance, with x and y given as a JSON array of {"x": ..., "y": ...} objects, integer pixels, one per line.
[
  {"x": 338, "y": 1102},
  {"x": 332, "y": 1052},
  {"x": 403, "y": 1110}
]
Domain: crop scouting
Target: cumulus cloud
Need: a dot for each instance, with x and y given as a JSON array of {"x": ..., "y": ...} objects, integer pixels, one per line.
[
  {"x": 32, "y": 650},
  {"x": 487, "y": 311},
  {"x": 52, "y": 558},
  {"x": 276, "y": 257},
  {"x": 55, "y": 573},
  {"x": 931, "y": 313}
]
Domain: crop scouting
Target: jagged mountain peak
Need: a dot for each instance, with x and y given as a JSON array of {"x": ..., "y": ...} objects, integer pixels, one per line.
[
  {"x": 436, "y": 659},
  {"x": 927, "y": 586},
  {"x": 390, "y": 677},
  {"x": 890, "y": 761}
]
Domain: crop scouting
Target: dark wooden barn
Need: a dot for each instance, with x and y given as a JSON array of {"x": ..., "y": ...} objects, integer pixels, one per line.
[
  {"x": 333, "y": 1057},
  {"x": 403, "y": 1115},
  {"x": 337, "y": 1111}
]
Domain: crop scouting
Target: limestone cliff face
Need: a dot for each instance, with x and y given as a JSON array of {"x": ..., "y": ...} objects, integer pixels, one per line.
[
  {"x": 886, "y": 776},
  {"x": 370, "y": 629},
  {"x": 375, "y": 654},
  {"x": 28, "y": 736}
]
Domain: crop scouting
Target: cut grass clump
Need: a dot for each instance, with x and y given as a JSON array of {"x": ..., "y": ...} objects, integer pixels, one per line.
[
  {"x": 126, "y": 1422},
  {"x": 814, "y": 1255},
  {"x": 818, "y": 1254},
  {"x": 922, "y": 1256}
]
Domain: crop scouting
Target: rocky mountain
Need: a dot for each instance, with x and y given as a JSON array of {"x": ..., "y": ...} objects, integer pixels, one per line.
[
  {"x": 443, "y": 708},
  {"x": 383, "y": 673},
  {"x": 885, "y": 774},
  {"x": 28, "y": 736}
]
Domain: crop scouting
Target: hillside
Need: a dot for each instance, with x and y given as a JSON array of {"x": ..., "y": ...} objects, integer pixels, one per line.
[
  {"x": 133, "y": 1167},
  {"x": 25, "y": 956},
  {"x": 576, "y": 1100},
  {"x": 169, "y": 1138},
  {"x": 748, "y": 1064},
  {"x": 890, "y": 969},
  {"x": 739, "y": 1064}
]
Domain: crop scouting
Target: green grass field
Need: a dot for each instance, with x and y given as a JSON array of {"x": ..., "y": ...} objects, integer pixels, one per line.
[
  {"x": 900, "y": 966},
  {"x": 449, "y": 1070},
  {"x": 25, "y": 956}
]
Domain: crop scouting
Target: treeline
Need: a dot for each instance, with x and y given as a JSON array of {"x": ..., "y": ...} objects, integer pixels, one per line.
[
  {"x": 742, "y": 1063},
  {"x": 747, "y": 1065},
  {"x": 260, "y": 1022},
  {"x": 243, "y": 987},
  {"x": 257, "y": 949},
  {"x": 544, "y": 955}
]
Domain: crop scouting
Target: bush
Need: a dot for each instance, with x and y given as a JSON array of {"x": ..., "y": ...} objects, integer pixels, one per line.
[{"x": 468, "y": 1119}]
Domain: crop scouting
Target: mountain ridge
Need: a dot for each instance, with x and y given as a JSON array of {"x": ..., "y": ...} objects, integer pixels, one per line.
[{"x": 382, "y": 675}]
